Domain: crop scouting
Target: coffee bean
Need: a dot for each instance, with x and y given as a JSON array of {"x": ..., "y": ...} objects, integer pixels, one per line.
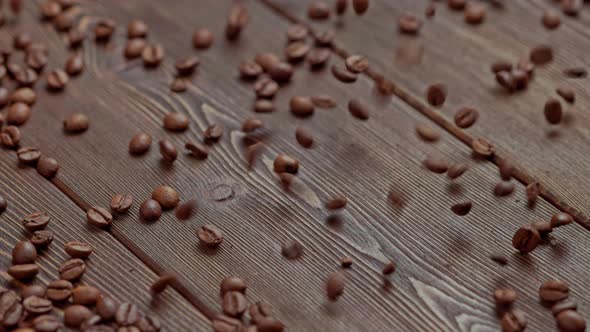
[
  {"x": 251, "y": 124},
  {"x": 567, "y": 94},
  {"x": 456, "y": 170},
  {"x": 197, "y": 150},
  {"x": 36, "y": 60},
  {"x": 57, "y": 80},
  {"x": 4, "y": 95},
  {"x": 36, "y": 221},
  {"x": 389, "y": 268},
  {"x": 505, "y": 297},
  {"x": 358, "y": 109},
  {"x": 75, "y": 315},
  {"x": 526, "y": 239},
  {"x": 152, "y": 55},
  {"x": 106, "y": 307},
  {"x": 356, "y": 64},
  {"x": 504, "y": 188},
  {"x": 543, "y": 227},
  {"x": 456, "y": 4},
  {"x": 24, "y": 95},
  {"x": 570, "y": 321},
  {"x": 179, "y": 85},
  {"x": 74, "y": 64},
  {"x": 518, "y": 80},
  {"x": 343, "y": 75},
  {"x": 236, "y": 21},
  {"x": 499, "y": 258},
  {"x": 436, "y": 164},
  {"x": 137, "y": 29},
  {"x": 553, "y": 111},
  {"x": 336, "y": 203},
  {"x": 10, "y": 137},
  {"x": 134, "y": 48},
  {"x": 301, "y": 106},
  {"x": 474, "y": 13},
  {"x": 514, "y": 321},
  {"x": 532, "y": 193},
  {"x": 286, "y": 180},
  {"x": 506, "y": 169},
  {"x": 562, "y": 306},
  {"x": 10, "y": 307},
  {"x": 46, "y": 323},
  {"x": 99, "y": 217},
  {"x": 77, "y": 249},
  {"x": 76, "y": 123},
  {"x": 210, "y": 236},
  {"x": 186, "y": 66},
  {"x": 409, "y": 23},
  {"x": 318, "y": 57},
  {"x": 59, "y": 290},
  {"x": 482, "y": 147},
  {"x": 360, "y": 6},
  {"x": 92, "y": 324},
  {"x": 42, "y": 239},
  {"x": 466, "y": 117},
  {"x": 22, "y": 40},
  {"x": 264, "y": 106},
  {"x": 296, "y": 51},
  {"x": 127, "y": 314},
  {"x": 168, "y": 151},
  {"x": 150, "y": 210},
  {"x": 462, "y": 208},
  {"x": 85, "y": 295},
  {"x": 37, "y": 305},
  {"x": 18, "y": 114},
  {"x": 24, "y": 252},
  {"x": 551, "y": 19},
  {"x": 541, "y": 54},
  {"x": 104, "y": 30},
  {"x": 23, "y": 271},
  {"x": 249, "y": 70},
  {"x": 49, "y": 9},
  {"x": 335, "y": 286},
  {"x": 121, "y": 203},
  {"x": 284, "y": 163},
  {"x": 3, "y": 204},
  {"x": 572, "y": 7},
  {"x": 292, "y": 249},
  {"x": 234, "y": 304},
  {"x": 166, "y": 196},
  {"x": 436, "y": 94},
  {"x": 213, "y": 133},
  {"x": 140, "y": 144},
  {"x": 33, "y": 290},
  {"x": 186, "y": 210},
  {"x": 72, "y": 269},
  {"x": 223, "y": 323},
  {"x": 202, "y": 38},
  {"x": 323, "y": 101},
  {"x": 149, "y": 324},
  {"x": 265, "y": 87},
  {"x": 318, "y": 10},
  {"x": 75, "y": 38},
  {"x": 176, "y": 121},
  {"x": 553, "y": 291},
  {"x": 303, "y": 137},
  {"x": 266, "y": 60},
  {"x": 575, "y": 72},
  {"x": 561, "y": 219},
  {"x": 28, "y": 155},
  {"x": 163, "y": 281},
  {"x": 26, "y": 77},
  {"x": 280, "y": 71},
  {"x": 297, "y": 32}
]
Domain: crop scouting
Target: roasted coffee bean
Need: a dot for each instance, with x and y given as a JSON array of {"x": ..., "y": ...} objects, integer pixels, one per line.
[
  {"x": 553, "y": 291},
  {"x": 47, "y": 323},
  {"x": 75, "y": 315},
  {"x": 92, "y": 323},
  {"x": 140, "y": 144},
  {"x": 57, "y": 80},
  {"x": 121, "y": 203},
  {"x": 525, "y": 65},
  {"x": 526, "y": 239},
  {"x": 505, "y": 297},
  {"x": 234, "y": 304},
  {"x": 292, "y": 249},
  {"x": 104, "y": 29},
  {"x": 541, "y": 54},
  {"x": 436, "y": 94},
  {"x": 149, "y": 324},
  {"x": 567, "y": 94},
  {"x": 76, "y": 123},
  {"x": 150, "y": 210},
  {"x": 251, "y": 124},
  {"x": 236, "y": 21},
  {"x": 514, "y": 321},
  {"x": 575, "y": 72},
  {"x": 176, "y": 121},
  {"x": 466, "y": 117},
  {"x": 551, "y": 19},
  {"x": 543, "y": 227},
  {"x": 572, "y": 7},
  {"x": 23, "y": 271},
  {"x": 259, "y": 311},
  {"x": 163, "y": 281},
  {"x": 356, "y": 64},
  {"x": 42, "y": 239},
  {"x": 409, "y": 23},
  {"x": 76, "y": 38},
  {"x": 166, "y": 196},
  {"x": 482, "y": 147},
  {"x": 49, "y": 9},
  {"x": 127, "y": 314},
  {"x": 506, "y": 169},
  {"x": 303, "y": 137},
  {"x": 297, "y": 32},
  {"x": 341, "y": 6},
  {"x": 520, "y": 79},
  {"x": 264, "y": 106},
  {"x": 13, "y": 70},
  {"x": 24, "y": 95},
  {"x": 24, "y": 252},
  {"x": 389, "y": 268},
  {"x": 27, "y": 77},
  {"x": 202, "y": 38},
  {"x": 265, "y": 87},
  {"x": 77, "y": 249},
  {"x": 532, "y": 193},
  {"x": 22, "y": 40},
  {"x": 74, "y": 64},
  {"x": 462, "y": 208},
  {"x": 222, "y": 323},
  {"x": 343, "y": 75},
  {"x": 99, "y": 217},
  {"x": 36, "y": 60},
  {"x": 499, "y": 258},
  {"x": 179, "y": 85},
  {"x": 18, "y": 114},
  {"x": 72, "y": 269},
  {"x": 134, "y": 48},
  {"x": 28, "y": 155},
  {"x": 474, "y": 13},
  {"x": 186, "y": 66},
  {"x": 11, "y": 309},
  {"x": 197, "y": 150},
  {"x": 436, "y": 164},
  {"x": 456, "y": 4},
  {"x": 286, "y": 180},
  {"x": 85, "y": 295},
  {"x": 33, "y": 290},
  {"x": 186, "y": 210},
  {"x": 106, "y": 307},
  {"x": 249, "y": 70},
  {"x": 318, "y": 10},
  {"x": 323, "y": 101},
  {"x": 266, "y": 60},
  {"x": 10, "y": 137},
  {"x": 562, "y": 306},
  {"x": 561, "y": 219},
  {"x": 168, "y": 151},
  {"x": 152, "y": 55},
  {"x": 456, "y": 170},
  {"x": 59, "y": 290},
  {"x": 280, "y": 71},
  {"x": 335, "y": 286},
  {"x": 360, "y": 6},
  {"x": 37, "y": 305},
  {"x": 296, "y": 51},
  {"x": 233, "y": 284},
  {"x": 570, "y": 321},
  {"x": 4, "y": 95},
  {"x": 284, "y": 163},
  {"x": 36, "y": 221},
  {"x": 504, "y": 188},
  {"x": 336, "y": 203},
  {"x": 358, "y": 109},
  {"x": 213, "y": 133},
  {"x": 553, "y": 111},
  {"x": 210, "y": 236},
  {"x": 137, "y": 29},
  {"x": 318, "y": 57},
  {"x": 301, "y": 106},
  {"x": 3, "y": 204}
]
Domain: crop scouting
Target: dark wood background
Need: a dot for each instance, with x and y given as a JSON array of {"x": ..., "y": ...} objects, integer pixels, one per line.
[{"x": 444, "y": 279}]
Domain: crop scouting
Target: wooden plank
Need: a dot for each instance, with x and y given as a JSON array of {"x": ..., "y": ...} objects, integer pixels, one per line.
[
  {"x": 111, "y": 268},
  {"x": 444, "y": 279},
  {"x": 460, "y": 55}
]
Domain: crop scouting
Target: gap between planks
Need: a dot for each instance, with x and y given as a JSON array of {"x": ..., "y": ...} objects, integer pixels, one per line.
[{"x": 520, "y": 174}]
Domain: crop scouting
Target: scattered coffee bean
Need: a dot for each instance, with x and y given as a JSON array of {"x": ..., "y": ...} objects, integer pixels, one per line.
[
  {"x": 57, "y": 80},
  {"x": 76, "y": 123},
  {"x": 18, "y": 114},
  {"x": 202, "y": 38},
  {"x": 4, "y": 96},
  {"x": 234, "y": 304},
  {"x": 99, "y": 217},
  {"x": 260, "y": 311},
  {"x": 336, "y": 203},
  {"x": 280, "y": 71},
  {"x": 466, "y": 117},
  {"x": 318, "y": 57},
  {"x": 176, "y": 121},
  {"x": 121, "y": 203},
  {"x": 389, "y": 269},
  {"x": 85, "y": 295},
  {"x": 572, "y": 7},
  {"x": 36, "y": 60},
  {"x": 36, "y": 221},
  {"x": 186, "y": 210},
  {"x": 430, "y": 10},
  {"x": 323, "y": 101},
  {"x": 482, "y": 147},
  {"x": 22, "y": 40},
  {"x": 197, "y": 150},
  {"x": 541, "y": 54},
  {"x": 165, "y": 279},
  {"x": 12, "y": 310},
  {"x": 106, "y": 307},
  {"x": 553, "y": 111},
  {"x": 266, "y": 60},
  {"x": 168, "y": 151},
  {"x": 506, "y": 169},
  {"x": 64, "y": 21},
  {"x": 104, "y": 30},
  {"x": 149, "y": 323},
  {"x": 292, "y": 249},
  {"x": 526, "y": 239},
  {"x": 358, "y": 109},
  {"x": 150, "y": 210},
  {"x": 505, "y": 297},
  {"x": 75, "y": 315},
  {"x": 166, "y": 196},
  {"x": 46, "y": 323},
  {"x": 42, "y": 239},
  {"x": 456, "y": 170},
  {"x": 533, "y": 191},
  {"x": 474, "y": 13},
  {"x": 75, "y": 38},
  {"x": 553, "y": 291},
  {"x": 436, "y": 94},
  {"x": 24, "y": 95},
  {"x": 213, "y": 133},
  {"x": 233, "y": 284},
  {"x": 301, "y": 106},
  {"x": 265, "y": 87},
  {"x": 543, "y": 227},
  {"x": 456, "y": 4},
  {"x": 264, "y": 106},
  {"x": 499, "y": 258},
  {"x": 567, "y": 94},
  {"x": 24, "y": 252},
  {"x": 303, "y": 137},
  {"x": 551, "y": 19},
  {"x": 251, "y": 124},
  {"x": 297, "y": 32},
  {"x": 225, "y": 323},
  {"x": 575, "y": 72},
  {"x": 140, "y": 144},
  {"x": 562, "y": 306},
  {"x": 346, "y": 262},
  {"x": 152, "y": 55},
  {"x": 360, "y": 6},
  {"x": 49, "y": 9},
  {"x": 318, "y": 10},
  {"x": 356, "y": 64},
  {"x": 134, "y": 48},
  {"x": 335, "y": 286},
  {"x": 325, "y": 38},
  {"x": 250, "y": 70},
  {"x": 462, "y": 208},
  {"x": 137, "y": 29},
  {"x": 436, "y": 164},
  {"x": 36, "y": 305},
  {"x": 286, "y": 180},
  {"x": 570, "y": 321},
  {"x": 10, "y": 137},
  {"x": 72, "y": 269},
  {"x": 514, "y": 321},
  {"x": 284, "y": 163},
  {"x": 296, "y": 51},
  {"x": 561, "y": 219},
  {"x": 3, "y": 204},
  {"x": 186, "y": 66},
  {"x": 409, "y": 23},
  {"x": 77, "y": 249},
  {"x": 343, "y": 75},
  {"x": 23, "y": 271},
  {"x": 74, "y": 64},
  {"x": 504, "y": 188},
  {"x": 33, "y": 290},
  {"x": 210, "y": 236}
]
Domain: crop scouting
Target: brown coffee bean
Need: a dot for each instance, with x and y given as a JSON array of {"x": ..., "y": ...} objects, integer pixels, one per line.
[
  {"x": 77, "y": 249},
  {"x": 72, "y": 269},
  {"x": 252, "y": 153},
  {"x": 179, "y": 85},
  {"x": 33, "y": 290},
  {"x": 505, "y": 297},
  {"x": 75, "y": 38},
  {"x": 303, "y": 137},
  {"x": 152, "y": 55},
  {"x": 575, "y": 72},
  {"x": 104, "y": 30},
  {"x": 266, "y": 60},
  {"x": 74, "y": 64},
  {"x": 301, "y": 106},
  {"x": 475, "y": 13},
  {"x": 99, "y": 217},
  {"x": 121, "y": 203},
  {"x": 23, "y": 271},
  {"x": 436, "y": 164},
  {"x": 106, "y": 307},
  {"x": 176, "y": 121},
  {"x": 137, "y": 29},
  {"x": 75, "y": 315},
  {"x": 234, "y": 304},
  {"x": 514, "y": 321},
  {"x": 210, "y": 236},
  {"x": 551, "y": 19},
  {"x": 127, "y": 314},
  {"x": 47, "y": 323},
  {"x": 12, "y": 310},
  {"x": 57, "y": 80},
  {"x": 360, "y": 6},
  {"x": 264, "y": 106},
  {"x": 42, "y": 239},
  {"x": 186, "y": 66},
  {"x": 389, "y": 268},
  {"x": 567, "y": 94},
  {"x": 249, "y": 70},
  {"x": 10, "y": 137},
  {"x": 318, "y": 57},
  {"x": 24, "y": 252},
  {"x": 343, "y": 75},
  {"x": 292, "y": 249},
  {"x": 186, "y": 210},
  {"x": 286, "y": 180},
  {"x": 65, "y": 20},
  {"x": 506, "y": 169},
  {"x": 553, "y": 291},
  {"x": 18, "y": 114},
  {"x": 140, "y": 144},
  {"x": 335, "y": 286},
  {"x": 462, "y": 208},
  {"x": 252, "y": 124},
  {"x": 456, "y": 170},
  {"x": 526, "y": 239},
  {"x": 561, "y": 219},
  {"x": 36, "y": 60},
  {"x": 168, "y": 151},
  {"x": 36, "y": 221},
  {"x": 26, "y": 77},
  {"x": 436, "y": 94},
  {"x": 163, "y": 281},
  {"x": 265, "y": 87},
  {"x": 570, "y": 321},
  {"x": 236, "y": 21},
  {"x": 3, "y": 204},
  {"x": 358, "y": 109},
  {"x": 76, "y": 123},
  {"x": 409, "y": 23},
  {"x": 280, "y": 71},
  {"x": 202, "y": 38},
  {"x": 22, "y": 40},
  {"x": 482, "y": 147},
  {"x": 499, "y": 258},
  {"x": 297, "y": 32},
  {"x": 92, "y": 324},
  {"x": 323, "y": 101},
  {"x": 166, "y": 196},
  {"x": 318, "y": 10},
  {"x": 134, "y": 48},
  {"x": 336, "y": 203},
  {"x": 85, "y": 295},
  {"x": 356, "y": 64},
  {"x": 340, "y": 6},
  {"x": 562, "y": 306},
  {"x": 532, "y": 193},
  {"x": 504, "y": 188},
  {"x": 572, "y": 7},
  {"x": 296, "y": 51},
  {"x": 233, "y": 284},
  {"x": 37, "y": 305},
  {"x": 543, "y": 227},
  {"x": 4, "y": 94},
  {"x": 49, "y": 9},
  {"x": 541, "y": 54},
  {"x": 466, "y": 117},
  {"x": 553, "y": 111},
  {"x": 24, "y": 95},
  {"x": 222, "y": 323},
  {"x": 284, "y": 163},
  {"x": 213, "y": 133},
  {"x": 197, "y": 150},
  {"x": 150, "y": 210},
  {"x": 59, "y": 290},
  {"x": 149, "y": 324}
]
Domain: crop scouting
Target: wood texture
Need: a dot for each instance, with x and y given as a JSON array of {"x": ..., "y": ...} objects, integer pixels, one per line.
[{"x": 111, "y": 268}]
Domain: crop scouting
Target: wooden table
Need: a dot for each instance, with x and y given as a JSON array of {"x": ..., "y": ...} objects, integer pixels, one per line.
[{"x": 444, "y": 279}]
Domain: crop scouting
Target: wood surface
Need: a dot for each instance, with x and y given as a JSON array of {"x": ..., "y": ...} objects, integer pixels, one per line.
[{"x": 444, "y": 278}]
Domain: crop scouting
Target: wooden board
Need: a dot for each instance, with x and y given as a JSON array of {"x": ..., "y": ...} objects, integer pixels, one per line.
[
  {"x": 111, "y": 268},
  {"x": 460, "y": 55}
]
